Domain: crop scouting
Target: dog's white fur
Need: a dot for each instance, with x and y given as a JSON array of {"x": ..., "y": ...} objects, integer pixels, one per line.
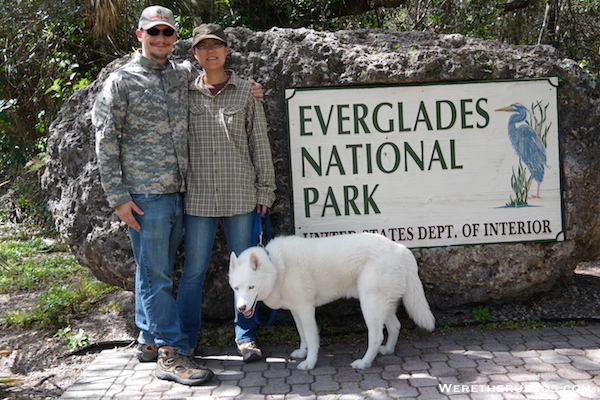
[{"x": 300, "y": 274}]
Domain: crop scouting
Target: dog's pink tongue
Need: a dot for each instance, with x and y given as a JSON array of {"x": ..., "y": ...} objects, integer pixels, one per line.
[{"x": 248, "y": 313}]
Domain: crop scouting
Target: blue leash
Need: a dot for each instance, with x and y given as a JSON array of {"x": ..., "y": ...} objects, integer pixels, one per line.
[{"x": 258, "y": 234}]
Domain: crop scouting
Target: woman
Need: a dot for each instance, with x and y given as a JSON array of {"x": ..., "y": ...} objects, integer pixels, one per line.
[{"x": 231, "y": 176}]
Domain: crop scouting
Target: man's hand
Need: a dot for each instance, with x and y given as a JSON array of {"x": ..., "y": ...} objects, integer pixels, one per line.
[
  {"x": 256, "y": 90},
  {"x": 125, "y": 213}
]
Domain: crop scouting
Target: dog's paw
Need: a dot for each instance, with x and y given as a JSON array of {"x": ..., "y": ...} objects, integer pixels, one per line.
[
  {"x": 385, "y": 351},
  {"x": 299, "y": 353},
  {"x": 306, "y": 365},
  {"x": 360, "y": 364}
]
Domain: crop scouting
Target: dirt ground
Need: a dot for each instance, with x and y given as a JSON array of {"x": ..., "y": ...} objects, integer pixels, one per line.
[
  {"x": 38, "y": 360},
  {"x": 41, "y": 367}
]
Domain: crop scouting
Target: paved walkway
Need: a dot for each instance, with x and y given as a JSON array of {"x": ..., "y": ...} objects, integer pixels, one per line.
[{"x": 545, "y": 363}]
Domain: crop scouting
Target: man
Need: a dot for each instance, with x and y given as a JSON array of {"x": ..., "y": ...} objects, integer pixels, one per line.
[{"x": 140, "y": 117}]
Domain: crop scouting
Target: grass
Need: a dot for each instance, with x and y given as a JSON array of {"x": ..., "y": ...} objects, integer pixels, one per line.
[
  {"x": 44, "y": 266},
  {"x": 481, "y": 314},
  {"x": 28, "y": 265}
]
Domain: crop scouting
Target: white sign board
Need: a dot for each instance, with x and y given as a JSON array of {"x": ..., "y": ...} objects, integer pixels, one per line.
[{"x": 428, "y": 165}]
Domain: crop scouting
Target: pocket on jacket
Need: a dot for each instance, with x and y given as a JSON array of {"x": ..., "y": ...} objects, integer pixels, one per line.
[{"x": 233, "y": 114}]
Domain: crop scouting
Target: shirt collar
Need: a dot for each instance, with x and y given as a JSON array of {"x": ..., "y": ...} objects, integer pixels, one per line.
[{"x": 148, "y": 63}]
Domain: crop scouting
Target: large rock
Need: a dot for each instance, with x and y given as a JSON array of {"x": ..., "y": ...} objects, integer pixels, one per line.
[{"x": 286, "y": 58}]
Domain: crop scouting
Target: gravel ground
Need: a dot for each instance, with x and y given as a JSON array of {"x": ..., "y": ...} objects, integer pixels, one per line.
[{"x": 577, "y": 298}]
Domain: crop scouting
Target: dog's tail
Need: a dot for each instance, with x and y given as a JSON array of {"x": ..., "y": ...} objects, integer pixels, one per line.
[{"x": 414, "y": 299}]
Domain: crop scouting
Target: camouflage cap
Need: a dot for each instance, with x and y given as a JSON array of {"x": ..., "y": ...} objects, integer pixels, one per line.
[{"x": 156, "y": 15}]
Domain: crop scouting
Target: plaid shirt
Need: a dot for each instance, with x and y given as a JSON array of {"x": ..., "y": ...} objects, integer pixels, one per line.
[{"x": 231, "y": 169}]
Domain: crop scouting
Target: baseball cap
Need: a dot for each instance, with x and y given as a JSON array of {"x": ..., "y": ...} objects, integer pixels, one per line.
[
  {"x": 208, "y": 31},
  {"x": 156, "y": 15}
]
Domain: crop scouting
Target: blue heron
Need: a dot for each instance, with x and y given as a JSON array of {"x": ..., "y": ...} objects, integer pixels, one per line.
[{"x": 527, "y": 143}]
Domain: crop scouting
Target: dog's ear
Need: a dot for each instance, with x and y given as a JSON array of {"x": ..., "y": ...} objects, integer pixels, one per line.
[
  {"x": 233, "y": 261},
  {"x": 254, "y": 261}
]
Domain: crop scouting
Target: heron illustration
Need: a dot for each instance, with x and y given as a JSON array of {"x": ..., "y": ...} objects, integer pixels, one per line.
[{"x": 526, "y": 143}]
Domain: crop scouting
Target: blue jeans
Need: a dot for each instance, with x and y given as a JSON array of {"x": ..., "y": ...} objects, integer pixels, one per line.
[
  {"x": 154, "y": 249},
  {"x": 200, "y": 234}
]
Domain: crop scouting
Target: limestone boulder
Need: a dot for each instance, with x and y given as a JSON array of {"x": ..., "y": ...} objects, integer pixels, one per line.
[{"x": 296, "y": 58}]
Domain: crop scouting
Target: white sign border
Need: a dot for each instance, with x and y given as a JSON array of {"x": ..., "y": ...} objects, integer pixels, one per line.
[{"x": 553, "y": 81}]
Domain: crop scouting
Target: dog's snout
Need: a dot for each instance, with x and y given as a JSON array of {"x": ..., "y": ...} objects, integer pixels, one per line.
[{"x": 242, "y": 308}]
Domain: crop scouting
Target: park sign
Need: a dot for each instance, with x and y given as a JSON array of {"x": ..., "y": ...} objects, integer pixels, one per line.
[{"x": 428, "y": 165}]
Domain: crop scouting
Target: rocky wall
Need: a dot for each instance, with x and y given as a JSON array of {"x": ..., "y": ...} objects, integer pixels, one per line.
[{"x": 297, "y": 58}]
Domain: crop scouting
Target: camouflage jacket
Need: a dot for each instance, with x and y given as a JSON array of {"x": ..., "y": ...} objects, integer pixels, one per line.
[{"x": 140, "y": 116}]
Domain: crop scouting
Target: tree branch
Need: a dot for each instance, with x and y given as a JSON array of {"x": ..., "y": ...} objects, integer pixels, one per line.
[{"x": 514, "y": 5}]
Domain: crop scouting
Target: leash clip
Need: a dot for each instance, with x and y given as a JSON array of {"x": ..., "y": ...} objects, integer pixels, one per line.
[
  {"x": 259, "y": 235},
  {"x": 260, "y": 239}
]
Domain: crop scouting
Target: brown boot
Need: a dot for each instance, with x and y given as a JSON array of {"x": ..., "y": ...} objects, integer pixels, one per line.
[
  {"x": 249, "y": 351},
  {"x": 147, "y": 352},
  {"x": 172, "y": 366}
]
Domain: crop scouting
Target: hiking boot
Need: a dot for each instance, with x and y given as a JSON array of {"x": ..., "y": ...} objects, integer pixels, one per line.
[
  {"x": 147, "y": 352},
  {"x": 172, "y": 366},
  {"x": 249, "y": 351}
]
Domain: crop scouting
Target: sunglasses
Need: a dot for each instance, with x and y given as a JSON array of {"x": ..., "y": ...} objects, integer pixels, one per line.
[
  {"x": 206, "y": 46},
  {"x": 155, "y": 31}
]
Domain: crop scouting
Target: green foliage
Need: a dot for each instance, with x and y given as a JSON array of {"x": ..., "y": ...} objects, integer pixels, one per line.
[
  {"x": 26, "y": 272},
  {"x": 33, "y": 264},
  {"x": 5, "y": 380},
  {"x": 21, "y": 198},
  {"x": 112, "y": 306},
  {"x": 29, "y": 59},
  {"x": 481, "y": 314},
  {"x": 537, "y": 120},
  {"x": 56, "y": 306},
  {"x": 520, "y": 186},
  {"x": 73, "y": 340},
  {"x": 518, "y": 324},
  {"x": 46, "y": 54}
]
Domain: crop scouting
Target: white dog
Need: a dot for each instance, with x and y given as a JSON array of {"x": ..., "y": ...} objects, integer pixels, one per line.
[{"x": 299, "y": 274}]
